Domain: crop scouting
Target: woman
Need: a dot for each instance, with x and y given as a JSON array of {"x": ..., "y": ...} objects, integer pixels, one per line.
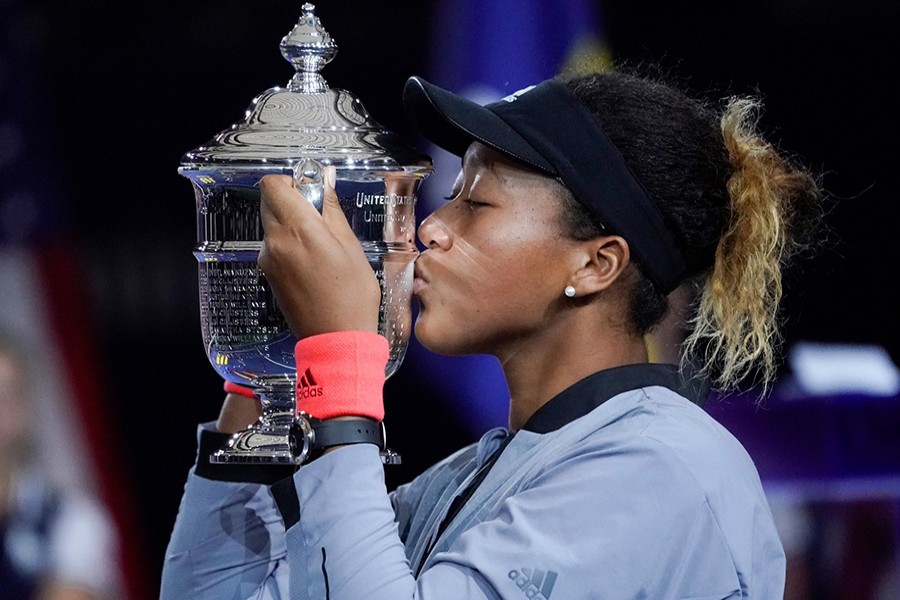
[{"x": 582, "y": 202}]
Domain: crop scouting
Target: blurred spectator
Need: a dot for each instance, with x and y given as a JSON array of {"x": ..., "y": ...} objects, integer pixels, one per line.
[
  {"x": 796, "y": 528},
  {"x": 839, "y": 548},
  {"x": 56, "y": 542}
]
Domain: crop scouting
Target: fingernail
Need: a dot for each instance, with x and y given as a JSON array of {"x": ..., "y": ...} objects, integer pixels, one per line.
[{"x": 330, "y": 176}]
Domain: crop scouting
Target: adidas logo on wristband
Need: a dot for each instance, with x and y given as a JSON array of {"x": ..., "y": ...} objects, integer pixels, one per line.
[{"x": 307, "y": 386}]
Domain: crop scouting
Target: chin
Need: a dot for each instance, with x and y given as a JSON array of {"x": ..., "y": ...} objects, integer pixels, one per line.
[
  {"x": 435, "y": 339},
  {"x": 424, "y": 336}
]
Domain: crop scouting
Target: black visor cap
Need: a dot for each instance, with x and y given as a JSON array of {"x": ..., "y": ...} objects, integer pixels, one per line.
[
  {"x": 453, "y": 123},
  {"x": 546, "y": 127}
]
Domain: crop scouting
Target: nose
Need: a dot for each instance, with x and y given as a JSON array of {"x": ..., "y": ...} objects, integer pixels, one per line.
[{"x": 433, "y": 232}]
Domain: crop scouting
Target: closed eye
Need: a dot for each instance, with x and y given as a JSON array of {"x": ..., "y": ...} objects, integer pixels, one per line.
[
  {"x": 467, "y": 201},
  {"x": 474, "y": 203}
]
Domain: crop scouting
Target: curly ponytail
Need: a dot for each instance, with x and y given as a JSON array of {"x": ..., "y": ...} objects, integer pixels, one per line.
[
  {"x": 736, "y": 324},
  {"x": 738, "y": 207}
]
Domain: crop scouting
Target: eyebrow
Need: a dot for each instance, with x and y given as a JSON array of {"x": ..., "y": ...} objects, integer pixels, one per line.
[{"x": 490, "y": 163}]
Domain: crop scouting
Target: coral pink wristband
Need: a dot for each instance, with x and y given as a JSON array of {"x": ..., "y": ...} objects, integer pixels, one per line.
[
  {"x": 341, "y": 373},
  {"x": 233, "y": 388}
]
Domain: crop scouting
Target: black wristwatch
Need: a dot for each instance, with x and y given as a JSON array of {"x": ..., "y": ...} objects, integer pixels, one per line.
[{"x": 310, "y": 437}]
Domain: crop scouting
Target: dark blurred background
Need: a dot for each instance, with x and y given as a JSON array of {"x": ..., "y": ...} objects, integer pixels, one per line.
[{"x": 117, "y": 92}]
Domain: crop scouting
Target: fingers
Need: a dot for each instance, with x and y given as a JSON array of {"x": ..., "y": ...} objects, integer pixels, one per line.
[
  {"x": 311, "y": 261},
  {"x": 287, "y": 218},
  {"x": 333, "y": 214},
  {"x": 237, "y": 413},
  {"x": 281, "y": 203}
]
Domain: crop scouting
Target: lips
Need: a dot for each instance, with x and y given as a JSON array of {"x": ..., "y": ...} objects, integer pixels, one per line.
[{"x": 420, "y": 279}]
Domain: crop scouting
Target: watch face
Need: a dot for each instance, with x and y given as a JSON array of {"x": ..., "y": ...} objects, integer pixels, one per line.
[{"x": 300, "y": 439}]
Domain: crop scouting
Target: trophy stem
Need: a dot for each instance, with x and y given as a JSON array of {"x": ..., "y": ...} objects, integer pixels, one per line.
[{"x": 266, "y": 441}]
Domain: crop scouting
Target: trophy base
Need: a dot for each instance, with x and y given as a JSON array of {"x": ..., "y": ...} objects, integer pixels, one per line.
[
  {"x": 257, "y": 445},
  {"x": 267, "y": 442}
]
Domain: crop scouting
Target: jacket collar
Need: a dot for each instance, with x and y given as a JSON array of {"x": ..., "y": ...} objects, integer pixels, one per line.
[{"x": 587, "y": 394}]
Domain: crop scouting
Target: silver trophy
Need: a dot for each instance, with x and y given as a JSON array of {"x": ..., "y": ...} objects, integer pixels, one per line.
[{"x": 296, "y": 131}]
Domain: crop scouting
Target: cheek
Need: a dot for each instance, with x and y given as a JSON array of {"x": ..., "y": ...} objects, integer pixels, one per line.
[
  {"x": 507, "y": 280},
  {"x": 521, "y": 268},
  {"x": 499, "y": 277},
  {"x": 512, "y": 282}
]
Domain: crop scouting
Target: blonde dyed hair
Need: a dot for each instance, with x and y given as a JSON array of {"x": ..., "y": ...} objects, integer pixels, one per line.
[{"x": 735, "y": 330}]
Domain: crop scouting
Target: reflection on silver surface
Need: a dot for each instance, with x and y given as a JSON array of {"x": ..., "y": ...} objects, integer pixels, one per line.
[
  {"x": 309, "y": 179},
  {"x": 305, "y": 119},
  {"x": 244, "y": 333}
]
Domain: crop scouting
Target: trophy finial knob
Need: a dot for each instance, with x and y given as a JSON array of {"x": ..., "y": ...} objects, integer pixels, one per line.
[{"x": 309, "y": 48}]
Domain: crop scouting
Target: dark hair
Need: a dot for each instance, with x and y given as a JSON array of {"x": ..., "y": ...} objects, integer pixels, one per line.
[{"x": 737, "y": 207}]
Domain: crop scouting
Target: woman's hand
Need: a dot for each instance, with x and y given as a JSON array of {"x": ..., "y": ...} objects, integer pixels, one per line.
[
  {"x": 238, "y": 412},
  {"x": 314, "y": 263}
]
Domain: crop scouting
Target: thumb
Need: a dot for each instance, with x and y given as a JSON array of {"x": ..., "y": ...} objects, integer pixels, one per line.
[{"x": 333, "y": 214}]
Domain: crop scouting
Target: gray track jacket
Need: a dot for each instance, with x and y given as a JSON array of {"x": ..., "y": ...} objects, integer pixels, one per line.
[{"x": 618, "y": 488}]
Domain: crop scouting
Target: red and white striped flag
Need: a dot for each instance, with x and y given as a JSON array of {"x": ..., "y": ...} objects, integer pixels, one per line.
[{"x": 91, "y": 537}]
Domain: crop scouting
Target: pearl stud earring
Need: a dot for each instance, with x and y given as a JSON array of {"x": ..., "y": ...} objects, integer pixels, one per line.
[{"x": 570, "y": 291}]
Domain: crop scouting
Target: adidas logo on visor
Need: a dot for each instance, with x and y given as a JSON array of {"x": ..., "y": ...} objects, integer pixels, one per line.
[
  {"x": 515, "y": 95},
  {"x": 536, "y": 584}
]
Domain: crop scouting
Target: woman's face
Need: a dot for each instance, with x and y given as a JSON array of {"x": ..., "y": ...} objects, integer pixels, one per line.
[{"x": 495, "y": 264}]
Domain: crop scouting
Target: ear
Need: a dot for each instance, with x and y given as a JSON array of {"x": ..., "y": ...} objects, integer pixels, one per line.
[{"x": 602, "y": 262}]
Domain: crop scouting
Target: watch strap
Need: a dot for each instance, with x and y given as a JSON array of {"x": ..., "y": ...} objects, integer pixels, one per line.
[
  {"x": 340, "y": 432},
  {"x": 310, "y": 437}
]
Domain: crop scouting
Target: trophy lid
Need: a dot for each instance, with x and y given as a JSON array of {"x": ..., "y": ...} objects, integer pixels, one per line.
[{"x": 304, "y": 120}]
